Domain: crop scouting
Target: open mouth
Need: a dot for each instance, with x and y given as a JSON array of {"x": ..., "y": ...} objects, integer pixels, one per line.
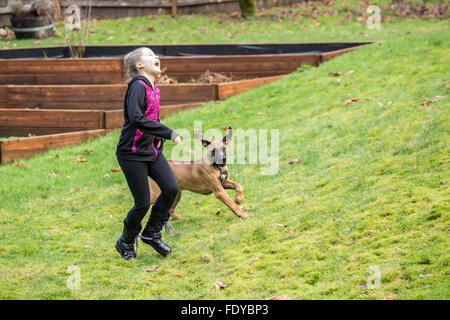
[{"x": 157, "y": 64}]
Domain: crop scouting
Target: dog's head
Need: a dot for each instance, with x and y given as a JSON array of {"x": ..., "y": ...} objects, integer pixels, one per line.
[{"x": 216, "y": 149}]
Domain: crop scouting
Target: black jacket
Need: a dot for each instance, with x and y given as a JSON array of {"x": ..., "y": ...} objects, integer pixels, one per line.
[{"x": 141, "y": 129}]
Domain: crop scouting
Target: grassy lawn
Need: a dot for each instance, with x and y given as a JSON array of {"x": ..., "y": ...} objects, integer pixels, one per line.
[{"x": 375, "y": 171}]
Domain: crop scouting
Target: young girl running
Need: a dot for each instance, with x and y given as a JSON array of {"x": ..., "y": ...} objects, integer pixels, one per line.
[{"x": 140, "y": 155}]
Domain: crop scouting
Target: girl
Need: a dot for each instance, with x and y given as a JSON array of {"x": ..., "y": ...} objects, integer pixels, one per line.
[{"x": 139, "y": 153}]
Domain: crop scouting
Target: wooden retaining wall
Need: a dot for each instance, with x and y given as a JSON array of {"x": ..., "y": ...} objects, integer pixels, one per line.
[
  {"x": 25, "y": 147},
  {"x": 111, "y": 70},
  {"x": 110, "y": 97}
]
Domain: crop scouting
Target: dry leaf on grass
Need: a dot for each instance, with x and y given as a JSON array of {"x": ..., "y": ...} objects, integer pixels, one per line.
[
  {"x": 278, "y": 298},
  {"x": 79, "y": 159},
  {"x": 434, "y": 99},
  {"x": 152, "y": 269},
  {"x": 106, "y": 176},
  {"x": 298, "y": 160},
  {"x": 19, "y": 164},
  {"x": 334, "y": 74},
  {"x": 116, "y": 170},
  {"x": 352, "y": 100},
  {"x": 281, "y": 225},
  {"x": 53, "y": 174},
  {"x": 220, "y": 285}
]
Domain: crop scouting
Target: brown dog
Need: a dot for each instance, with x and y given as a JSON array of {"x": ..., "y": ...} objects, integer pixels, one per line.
[{"x": 205, "y": 176}]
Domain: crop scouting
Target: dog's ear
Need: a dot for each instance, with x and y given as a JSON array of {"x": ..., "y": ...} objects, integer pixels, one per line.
[
  {"x": 227, "y": 138},
  {"x": 205, "y": 142}
]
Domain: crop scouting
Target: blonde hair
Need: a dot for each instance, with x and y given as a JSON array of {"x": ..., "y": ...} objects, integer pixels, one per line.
[{"x": 130, "y": 60}]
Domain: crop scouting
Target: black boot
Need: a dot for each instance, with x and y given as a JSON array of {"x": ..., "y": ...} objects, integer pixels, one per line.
[
  {"x": 125, "y": 244},
  {"x": 151, "y": 234}
]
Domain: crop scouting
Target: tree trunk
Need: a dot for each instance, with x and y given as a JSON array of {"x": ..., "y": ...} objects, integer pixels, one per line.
[{"x": 247, "y": 8}]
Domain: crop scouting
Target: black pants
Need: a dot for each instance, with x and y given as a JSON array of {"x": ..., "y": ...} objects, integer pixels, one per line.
[{"x": 136, "y": 174}]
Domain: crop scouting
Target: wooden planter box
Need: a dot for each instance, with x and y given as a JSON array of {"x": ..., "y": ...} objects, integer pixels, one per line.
[
  {"x": 110, "y": 97},
  {"x": 90, "y": 92},
  {"x": 103, "y": 121},
  {"x": 183, "y": 69}
]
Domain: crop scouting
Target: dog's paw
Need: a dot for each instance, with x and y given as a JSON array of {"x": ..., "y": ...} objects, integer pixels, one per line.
[{"x": 175, "y": 216}]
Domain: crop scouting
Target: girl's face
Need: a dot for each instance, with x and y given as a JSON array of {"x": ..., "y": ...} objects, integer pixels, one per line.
[{"x": 149, "y": 63}]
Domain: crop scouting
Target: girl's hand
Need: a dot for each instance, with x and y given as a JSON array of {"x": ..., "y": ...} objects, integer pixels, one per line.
[{"x": 177, "y": 140}]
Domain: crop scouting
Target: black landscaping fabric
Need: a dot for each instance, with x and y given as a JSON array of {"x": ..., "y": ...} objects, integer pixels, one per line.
[{"x": 117, "y": 51}]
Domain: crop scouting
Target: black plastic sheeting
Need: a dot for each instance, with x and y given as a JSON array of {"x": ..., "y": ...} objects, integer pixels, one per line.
[{"x": 180, "y": 50}]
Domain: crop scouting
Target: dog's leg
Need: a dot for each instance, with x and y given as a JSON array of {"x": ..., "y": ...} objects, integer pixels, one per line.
[
  {"x": 223, "y": 196},
  {"x": 172, "y": 209},
  {"x": 228, "y": 184}
]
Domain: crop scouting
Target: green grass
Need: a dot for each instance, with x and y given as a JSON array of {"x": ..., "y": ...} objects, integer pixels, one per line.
[{"x": 379, "y": 166}]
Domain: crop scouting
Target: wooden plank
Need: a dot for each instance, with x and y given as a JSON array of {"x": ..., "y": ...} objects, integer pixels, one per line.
[
  {"x": 99, "y": 97},
  {"x": 61, "y": 71},
  {"x": 229, "y": 89},
  {"x": 112, "y": 70},
  {"x": 6, "y": 132},
  {"x": 114, "y": 119},
  {"x": 324, "y": 57},
  {"x": 243, "y": 66},
  {"x": 171, "y": 109},
  {"x": 3, "y": 95},
  {"x": 31, "y": 118},
  {"x": 21, "y": 148}
]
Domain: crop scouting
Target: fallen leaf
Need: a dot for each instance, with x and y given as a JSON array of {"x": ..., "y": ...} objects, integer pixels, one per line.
[
  {"x": 89, "y": 150},
  {"x": 298, "y": 160},
  {"x": 53, "y": 174},
  {"x": 390, "y": 297},
  {"x": 36, "y": 42},
  {"x": 352, "y": 100},
  {"x": 278, "y": 298},
  {"x": 281, "y": 225},
  {"x": 291, "y": 232},
  {"x": 79, "y": 159},
  {"x": 350, "y": 72},
  {"x": 338, "y": 80},
  {"x": 152, "y": 269},
  {"x": 116, "y": 170},
  {"x": 110, "y": 38},
  {"x": 234, "y": 109},
  {"x": 217, "y": 212},
  {"x": 106, "y": 176},
  {"x": 334, "y": 74},
  {"x": 20, "y": 164},
  {"x": 220, "y": 285},
  {"x": 434, "y": 99}
]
